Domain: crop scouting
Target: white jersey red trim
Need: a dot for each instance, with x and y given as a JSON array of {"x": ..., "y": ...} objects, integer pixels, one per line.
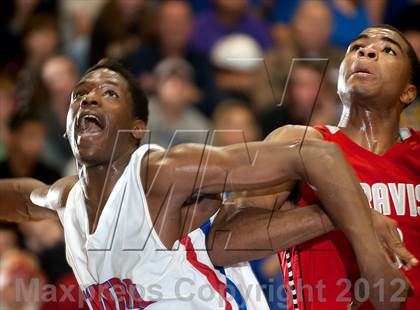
[{"x": 124, "y": 264}]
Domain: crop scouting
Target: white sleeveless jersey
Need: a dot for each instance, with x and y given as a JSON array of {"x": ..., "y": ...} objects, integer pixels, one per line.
[{"x": 124, "y": 265}]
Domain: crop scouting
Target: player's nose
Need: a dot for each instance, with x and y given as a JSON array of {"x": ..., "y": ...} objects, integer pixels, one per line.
[
  {"x": 90, "y": 99},
  {"x": 368, "y": 52}
]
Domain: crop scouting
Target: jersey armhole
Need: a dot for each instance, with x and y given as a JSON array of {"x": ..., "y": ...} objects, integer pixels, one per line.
[{"x": 326, "y": 130}]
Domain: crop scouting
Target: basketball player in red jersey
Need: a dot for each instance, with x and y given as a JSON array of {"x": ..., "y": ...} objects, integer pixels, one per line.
[{"x": 379, "y": 77}]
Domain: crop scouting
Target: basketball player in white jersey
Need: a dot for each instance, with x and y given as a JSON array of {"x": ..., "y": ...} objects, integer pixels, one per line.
[{"x": 131, "y": 217}]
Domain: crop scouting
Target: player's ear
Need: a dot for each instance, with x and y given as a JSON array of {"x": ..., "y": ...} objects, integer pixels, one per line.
[
  {"x": 409, "y": 94},
  {"x": 138, "y": 129}
]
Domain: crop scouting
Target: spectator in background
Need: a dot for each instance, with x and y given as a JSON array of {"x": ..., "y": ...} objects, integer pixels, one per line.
[
  {"x": 172, "y": 109},
  {"x": 119, "y": 29},
  {"x": 174, "y": 24},
  {"x": 311, "y": 29},
  {"x": 7, "y": 105},
  {"x": 8, "y": 237},
  {"x": 46, "y": 240},
  {"x": 408, "y": 22},
  {"x": 228, "y": 17},
  {"x": 59, "y": 76},
  {"x": 234, "y": 122},
  {"x": 310, "y": 32},
  {"x": 27, "y": 135},
  {"x": 350, "y": 17},
  {"x": 300, "y": 97},
  {"x": 14, "y": 15},
  {"x": 20, "y": 275},
  {"x": 76, "y": 24},
  {"x": 237, "y": 59},
  {"x": 40, "y": 39}
]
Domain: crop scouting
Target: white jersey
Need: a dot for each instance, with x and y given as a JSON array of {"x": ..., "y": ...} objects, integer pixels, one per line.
[{"x": 124, "y": 265}]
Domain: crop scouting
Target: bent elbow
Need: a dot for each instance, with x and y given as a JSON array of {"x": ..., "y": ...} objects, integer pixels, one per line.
[{"x": 217, "y": 250}]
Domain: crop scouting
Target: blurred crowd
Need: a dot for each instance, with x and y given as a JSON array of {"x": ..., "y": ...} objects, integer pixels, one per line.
[{"x": 240, "y": 67}]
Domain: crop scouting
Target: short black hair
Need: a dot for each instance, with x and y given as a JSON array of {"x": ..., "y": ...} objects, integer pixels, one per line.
[
  {"x": 139, "y": 98},
  {"x": 412, "y": 56},
  {"x": 24, "y": 115}
]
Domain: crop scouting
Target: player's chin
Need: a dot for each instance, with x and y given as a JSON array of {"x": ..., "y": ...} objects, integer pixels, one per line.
[
  {"x": 364, "y": 90},
  {"x": 90, "y": 154}
]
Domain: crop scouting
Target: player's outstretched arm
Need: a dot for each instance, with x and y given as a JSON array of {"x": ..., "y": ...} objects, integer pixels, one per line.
[
  {"x": 26, "y": 199},
  {"x": 15, "y": 200},
  {"x": 203, "y": 169}
]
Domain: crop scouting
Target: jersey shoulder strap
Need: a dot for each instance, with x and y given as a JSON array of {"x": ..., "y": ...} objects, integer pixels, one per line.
[{"x": 326, "y": 130}]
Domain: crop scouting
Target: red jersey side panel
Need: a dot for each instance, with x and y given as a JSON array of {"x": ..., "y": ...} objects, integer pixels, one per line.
[{"x": 324, "y": 269}]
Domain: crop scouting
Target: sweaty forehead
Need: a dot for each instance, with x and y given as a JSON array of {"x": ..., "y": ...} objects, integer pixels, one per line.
[
  {"x": 379, "y": 33},
  {"x": 103, "y": 75}
]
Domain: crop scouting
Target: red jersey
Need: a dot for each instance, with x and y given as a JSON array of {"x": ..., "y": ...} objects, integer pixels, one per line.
[{"x": 322, "y": 273}]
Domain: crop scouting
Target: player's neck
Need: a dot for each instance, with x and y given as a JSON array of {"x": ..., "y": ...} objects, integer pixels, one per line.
[
  {"x": 374, "y": 129},
  {"x": 97, "y": 184}
]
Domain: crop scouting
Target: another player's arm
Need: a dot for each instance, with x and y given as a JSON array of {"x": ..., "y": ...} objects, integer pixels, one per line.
[
  {"x": 253, "y": 231},
  {"x": 192, "y": 168},
  {"x": 276, "y": 222},
  {"x": 189, "y": 169}
]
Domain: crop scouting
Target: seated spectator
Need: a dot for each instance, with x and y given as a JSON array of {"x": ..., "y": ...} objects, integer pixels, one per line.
[
  {"x": 310, "y": 32},
  {"x": 300, "y": 98},
  {"x": 9, "y": 237},
  {"x": 234, "y": 122},
  {"x": 408, "y": 23},
  {"x": 228, "y": 17},
  {"x": 59, "y": 76},
  {"x": 40, "y": 40},
  {"x": 46, "y": 240},
  {"x": 14, "y": 16},
  {"x": 237, "y": 59},
  {"x": 20, "y": 276},
  {"x": 7, "y": 106},
  {"x": 119, "y": 29},
  {"x": 173, "y": 119},
  {"x": 174, "y": 24},
  {"x": 26, "y": 141},
  {"x": 76, "y": 23},
  {"x": 350, "y": 17}
]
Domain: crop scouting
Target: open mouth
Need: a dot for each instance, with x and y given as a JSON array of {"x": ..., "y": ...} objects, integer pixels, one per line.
[{"x": 89, "y": 124}]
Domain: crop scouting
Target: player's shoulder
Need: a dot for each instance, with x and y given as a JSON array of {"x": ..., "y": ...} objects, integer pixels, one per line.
[
  {"x": 59, "y": 191},
  {"x": 294, "y": 132}
]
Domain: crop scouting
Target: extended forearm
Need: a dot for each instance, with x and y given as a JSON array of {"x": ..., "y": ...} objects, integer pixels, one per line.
[
  {"x": 15, "y": 203},
  {"x": 336, "y": 184},
  {"x": 254, "y": 233}
]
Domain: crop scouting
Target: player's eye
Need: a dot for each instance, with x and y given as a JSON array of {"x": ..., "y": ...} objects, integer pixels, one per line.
[
  {"x": 111, "y": 93},
  {"x": 79, "y": 94},
  {"x": 390, "y": 51},
  {"x": 355, "y": 47}
]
